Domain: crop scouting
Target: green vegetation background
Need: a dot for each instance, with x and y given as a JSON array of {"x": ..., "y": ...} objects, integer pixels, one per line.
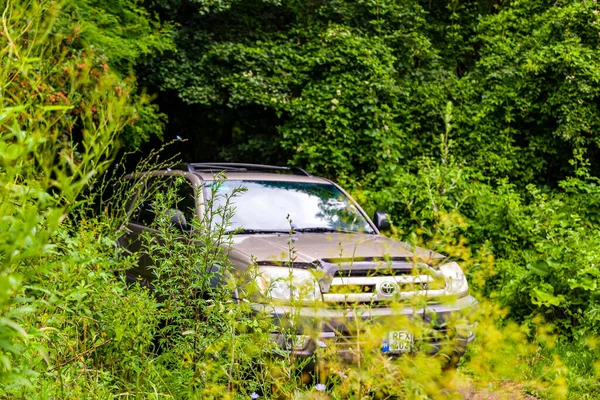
[{"x": 475, "y": 123}]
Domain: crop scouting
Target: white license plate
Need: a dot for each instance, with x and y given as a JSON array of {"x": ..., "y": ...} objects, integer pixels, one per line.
[{"x": 397, "y": 342}]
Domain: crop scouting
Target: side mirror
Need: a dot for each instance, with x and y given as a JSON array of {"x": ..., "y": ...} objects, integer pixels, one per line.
[
  {"x": 178, "y": 220},
  {"x": 382, "y": 221}
]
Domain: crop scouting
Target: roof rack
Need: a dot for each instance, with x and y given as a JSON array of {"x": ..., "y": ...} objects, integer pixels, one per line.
[{"x": 238, "y": 167}]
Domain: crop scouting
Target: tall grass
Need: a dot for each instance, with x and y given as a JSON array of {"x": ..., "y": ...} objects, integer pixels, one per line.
[{"x": 61, "y": 111}]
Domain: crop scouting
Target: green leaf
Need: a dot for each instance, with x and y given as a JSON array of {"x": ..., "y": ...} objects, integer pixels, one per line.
[
  {"x": 539, "y": 267},
  {"x": 56, "y": 108},
  {"x": 543, "y": 298}
]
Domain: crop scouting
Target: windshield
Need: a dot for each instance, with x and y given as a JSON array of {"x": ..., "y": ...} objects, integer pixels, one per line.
[{"x": 264, "y": 206}]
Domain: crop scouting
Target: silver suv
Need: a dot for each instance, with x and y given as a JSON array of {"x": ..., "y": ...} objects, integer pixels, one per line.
[{"x": 300, "y": 231}]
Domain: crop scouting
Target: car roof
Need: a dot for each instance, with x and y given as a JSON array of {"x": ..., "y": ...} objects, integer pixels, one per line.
[
  {"x": 262, "y": 176},
  {"x": 250, "y": 172},
  {"x": 208, "y": 172}
]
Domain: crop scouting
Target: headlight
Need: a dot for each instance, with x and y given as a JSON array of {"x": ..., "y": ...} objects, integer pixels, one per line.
[
  {"x": 456, "y": 282},
  {"x": 283, "y": 283}
]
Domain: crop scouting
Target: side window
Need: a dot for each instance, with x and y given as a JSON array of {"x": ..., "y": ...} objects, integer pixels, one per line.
[
  {"x": 146, "y": 213},
  {"x": 186, "y": 202},
  {"x": 183, "y": 199}
]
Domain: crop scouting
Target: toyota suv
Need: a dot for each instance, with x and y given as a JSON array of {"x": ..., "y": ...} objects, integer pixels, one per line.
[{"x": 300, "y": 231}]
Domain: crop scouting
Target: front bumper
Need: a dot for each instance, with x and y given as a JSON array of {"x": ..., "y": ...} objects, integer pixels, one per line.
[{"x": 445, "y": 328}]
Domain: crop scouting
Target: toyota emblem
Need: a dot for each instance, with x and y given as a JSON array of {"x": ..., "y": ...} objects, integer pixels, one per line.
[{"x": 388, "y": 288}]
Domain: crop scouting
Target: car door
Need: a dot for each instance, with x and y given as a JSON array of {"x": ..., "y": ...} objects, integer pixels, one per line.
[{"x": 143, "y": 218}]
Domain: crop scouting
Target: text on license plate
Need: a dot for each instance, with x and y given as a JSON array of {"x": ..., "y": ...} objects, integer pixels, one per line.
[{"x": 397, "y": 342}]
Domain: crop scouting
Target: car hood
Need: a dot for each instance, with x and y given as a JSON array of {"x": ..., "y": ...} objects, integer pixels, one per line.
[{"x": 310, "y": 247}]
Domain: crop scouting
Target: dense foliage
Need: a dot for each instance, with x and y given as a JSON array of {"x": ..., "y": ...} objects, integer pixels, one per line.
[{"x": 351, "y": 88}]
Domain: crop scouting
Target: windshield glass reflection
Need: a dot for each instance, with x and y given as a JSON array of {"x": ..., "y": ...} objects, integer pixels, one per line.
[{"x": 265, "y": 206}]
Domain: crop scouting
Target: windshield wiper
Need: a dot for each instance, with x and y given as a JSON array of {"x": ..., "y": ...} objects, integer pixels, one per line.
[
  {"x": 254, "y": 231},
  {"x": 322, "y": 229}
]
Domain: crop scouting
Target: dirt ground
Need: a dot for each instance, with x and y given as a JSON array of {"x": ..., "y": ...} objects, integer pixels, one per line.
[{"x": 506, "y": 391}]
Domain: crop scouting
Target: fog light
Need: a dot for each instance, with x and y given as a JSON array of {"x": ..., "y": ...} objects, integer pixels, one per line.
[{"x": 466, "y": 330}]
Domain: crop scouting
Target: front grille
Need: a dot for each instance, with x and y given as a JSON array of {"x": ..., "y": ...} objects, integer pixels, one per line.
[
  {"x": 347, "y": 273},
  {"x": 377, "y": 283},
  {"x": 349, "y": 289},
  {"x": 385, "y": 289}
]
